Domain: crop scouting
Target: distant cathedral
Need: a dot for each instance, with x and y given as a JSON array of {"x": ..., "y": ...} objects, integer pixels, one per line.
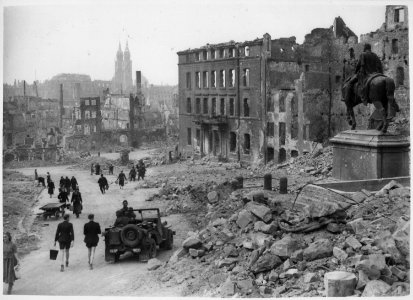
[{"x": 122, "y": 81}]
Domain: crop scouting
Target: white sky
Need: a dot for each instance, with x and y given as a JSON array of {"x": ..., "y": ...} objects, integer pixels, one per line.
[{"x": 50, "y": 37}]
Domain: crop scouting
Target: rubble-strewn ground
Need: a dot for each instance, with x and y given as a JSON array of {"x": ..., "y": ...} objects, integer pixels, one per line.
[
  {"x": 20, "y": 195},
  {"x": 239, "y": 248}
]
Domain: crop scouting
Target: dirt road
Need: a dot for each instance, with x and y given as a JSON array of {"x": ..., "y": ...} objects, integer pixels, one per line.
[{"x": 41, "y": 276}]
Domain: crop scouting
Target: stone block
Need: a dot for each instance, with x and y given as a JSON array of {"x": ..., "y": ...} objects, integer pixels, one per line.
[
  {"x": 213, "y": 197},
  {"x": 177, "y": 255},
  {"x": 153, "y": 264},
  {"x": 286, "y": 246},
  {"x": 352, "y": 242},
  {"x": 244, "y": 218},
  {"x": 387, "y": 244},
  {"x": 192, "y": 242},
  {"x": 340, "y": 254},
  {"x": 273, "y": 276},
  {"x": 402, "y": 239},
  {"x": 245, "y": 285},
  {"x": 363, "y": 279},
  {"x": 228, "y": 288},
  {"x": 261, "y": 239},
  {"x": 310, "y": 277},
  {"x": 375, "y": 288},
  {"x": 260, "y": 211},
  {"x": 339, "y": 284},
  {"x": 266, "y": 262},
  {"x": 319, "y": 249},
  {"x": 398, "y": 273},
  {"x": 358, "y": 226}
]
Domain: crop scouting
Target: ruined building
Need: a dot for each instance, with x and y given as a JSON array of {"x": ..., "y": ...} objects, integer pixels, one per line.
[
  {"x": 269, "y": 100},
  {"x": 122, "y": 81}
]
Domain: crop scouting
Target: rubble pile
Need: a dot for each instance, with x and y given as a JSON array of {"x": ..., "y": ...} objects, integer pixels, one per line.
[
  {"x": 244, "y": 250},
  {"x": 19, "y": 197}
]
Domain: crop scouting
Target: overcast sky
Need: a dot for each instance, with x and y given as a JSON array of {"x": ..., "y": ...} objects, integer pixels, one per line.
[{"x": 46, "y": 39}]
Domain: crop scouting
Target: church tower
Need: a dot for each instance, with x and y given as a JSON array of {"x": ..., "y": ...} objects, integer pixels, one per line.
[
  {"x": 127, "y": 71},
  {"x": 117, "y": 83}
]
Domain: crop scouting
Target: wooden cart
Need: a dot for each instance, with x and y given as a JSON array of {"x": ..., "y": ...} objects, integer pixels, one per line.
[{"x": 53, "y": 209}]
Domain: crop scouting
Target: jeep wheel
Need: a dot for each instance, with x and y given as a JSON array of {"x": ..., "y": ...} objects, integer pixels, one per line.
[
  {"x": 152, "y": 248},
  {"x": 169, "y": 241},
  {"x": 130, "y": 235}
]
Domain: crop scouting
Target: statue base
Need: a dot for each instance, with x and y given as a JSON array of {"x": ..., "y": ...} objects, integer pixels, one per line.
[{"x": 369, "y": 154}]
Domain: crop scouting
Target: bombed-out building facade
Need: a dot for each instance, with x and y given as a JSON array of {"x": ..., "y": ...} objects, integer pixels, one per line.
[{"x": 273, "y": 99}]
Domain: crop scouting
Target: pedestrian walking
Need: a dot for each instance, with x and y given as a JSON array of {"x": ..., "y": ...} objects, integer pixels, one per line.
[
  {"x": 91, "y": 231},
  {"x": 103, "y": 183},
  {"x": 50, "y": 188},
  {"x": 63, "y": 196},
  {"x": 121, "y": 179},
  {"x": 132, "y": 174},
  {"x": 41, "y": 181},
  {"x": 10, "y": 261},
  {"x": 73, "y": 182},
  {"x": 48, "y": 178},
  {"x": 35, "y": 175},
  {"x": 92, "y": 168},
  {"x": 141, "y": 170},
  {"x": 77, "y": 202},
  {"x": 62, "y": 182},
  {"x": 67, "y": 184},
  {"x": 110, "y": 169},
  {"x": 66, "y": 238}
]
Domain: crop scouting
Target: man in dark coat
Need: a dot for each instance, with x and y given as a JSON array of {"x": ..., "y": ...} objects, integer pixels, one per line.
[
  {"x": 40, "y": 180},
  {"x": 73, "y": 183},
  {"x": 66, "y": 238},
  {"x": 62, "y": 182},
  {"x": 141, "y": 170},
  {"x": 77, "y": 203},
  {"x": 110, "y": 169},
  {"x": 48, "y": 178},
  {"x": 91, "y": 231},
  {"x": 132, "y": 174},
  {"x": 121, "y": 179},
  {"x": 103, "y": 183},
  {"x": 63, "y": 196},
  {"x": 368, "y": 63},
  {"x": 50, "y": 188},
  {"x": 67, "y": 184}
]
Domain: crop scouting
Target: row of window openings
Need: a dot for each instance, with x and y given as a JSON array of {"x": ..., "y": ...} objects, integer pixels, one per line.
[
  {"x": 90, "y": 114},
  {"x": 218, "y": 53},
  {"x": 213, "y": 81},
  {"x": 232, "y": 140},
  {"x": 214, "y": 108},
  {"x": 92, "y": 102}
]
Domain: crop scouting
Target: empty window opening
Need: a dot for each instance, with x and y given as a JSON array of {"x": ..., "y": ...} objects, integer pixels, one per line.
[
  {"x": 231, "y": 107},
  {"x": 352, "y": 53},
  {"x": 189, "y": 136},
  {"x": 222, "y": 107},
  {"x": 281, "y": 102},
  {"x": 231, "y": 82},
  {"x": 205, "y": 106},
  {"x": 87, "y": 114},
  {"x": 307, "y": 68},
  {"x": 197, "y": 56},
  {"x": 214, "y": 106},
  {"x": 198, "y": 106},
  {"x": 270, "y": 104},
  {"x": 270, "y": 129},
  {"x": 270, "y": 154},
  {"x": 205, "y": 79},
  {"x": 232, "y": 141},
  {"x": 212, "y": 54},
  {"x": 198, "y": 137},
  {"x": 93, "y": 102},
  {"x": 294, "y": 153},
  {"x": 338, "y": 79},
  {"x": 86, "y": 102},
  {"x": 188, "y": 105},
  {"x": 216, "y": 145},
  {"x": 221, "y": 53},
  {"x": 214, "y": 79},
  {"x": 394, "y": 46},
  {"x": 399, "y": 76},
  {"x": 222, "y": 78},
  {"x": 198, "y": 80},
  {"x": 205, "y": 55},
  {"x": 246, "y": 108},
  {"x": 247, "y": 51},
  {"x": 399, "y": 15},
  {"x": 231, "y": 52},
  {"x": 188, "y": 80},
  {"x": 247, "y": 143},
  {"x": 246, "y": 77},
  {"x": 282, "y": 155},
  {"x": 282, "y": 133}
]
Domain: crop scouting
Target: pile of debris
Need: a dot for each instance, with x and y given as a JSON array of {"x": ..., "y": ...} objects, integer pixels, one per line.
[{"x": 251, "y": 247}]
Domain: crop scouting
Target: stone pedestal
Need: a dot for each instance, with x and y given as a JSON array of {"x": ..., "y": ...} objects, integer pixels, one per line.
[{"x": 369, "y": 154}]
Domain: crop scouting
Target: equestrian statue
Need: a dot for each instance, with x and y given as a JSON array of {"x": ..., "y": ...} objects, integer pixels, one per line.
[{"x": 370, "y": 85}]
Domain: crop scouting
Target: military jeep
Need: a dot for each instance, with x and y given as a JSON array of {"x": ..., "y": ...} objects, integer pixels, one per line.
[{"x": 142, "y": 236}]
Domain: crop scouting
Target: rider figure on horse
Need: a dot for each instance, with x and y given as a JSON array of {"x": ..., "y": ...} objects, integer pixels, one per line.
[{"x": 369, "y": 63}]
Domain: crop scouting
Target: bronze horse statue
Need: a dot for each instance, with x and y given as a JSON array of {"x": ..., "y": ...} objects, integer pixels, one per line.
[{"x": 380, "y": 91}]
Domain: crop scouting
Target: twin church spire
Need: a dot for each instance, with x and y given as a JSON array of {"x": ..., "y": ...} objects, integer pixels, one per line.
[{"x": 122, "y": 81}]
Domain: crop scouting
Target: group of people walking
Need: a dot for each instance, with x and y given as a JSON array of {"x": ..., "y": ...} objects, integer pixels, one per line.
[
  {"x": 65, "y": 237},
  {"x": 140, "y": 170}
]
